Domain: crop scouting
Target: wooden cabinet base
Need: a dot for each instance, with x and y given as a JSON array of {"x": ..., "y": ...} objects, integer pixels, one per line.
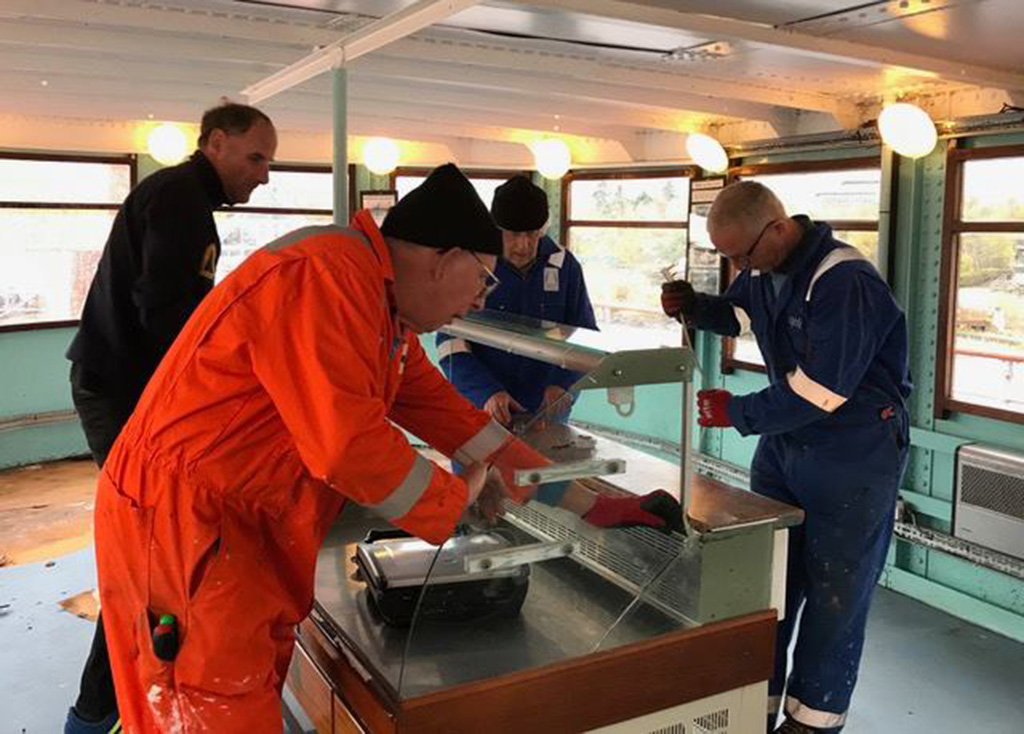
[{"x": 586, "y": 693}]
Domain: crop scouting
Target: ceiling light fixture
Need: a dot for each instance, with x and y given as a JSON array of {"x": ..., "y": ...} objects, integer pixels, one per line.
[
  {"x": 707, "y": 152},
  {"x": 380, "y": 155},
  {"x": 551, "y": 158},
  {"x": 167, "y": 144},
  {"x": 907, "y": 129}
]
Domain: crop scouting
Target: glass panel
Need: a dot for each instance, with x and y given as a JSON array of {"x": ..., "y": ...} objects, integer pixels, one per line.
[
  {"x": 827, "y": 195},
  {"x": 664, "y": 199},
  {"x": 484, "y": 186},
  {"x": 296, "y": 190},
  {"x": 623, "y": 269},
  {"x": 47, "y": 261},
  {"x": 866, "y": 242},
  {"x": 63, "y": 182},
  {"x": 242, "y": 233},
  {"x": 988, "y": 356},
  {"x": 540, "y": 585},
  {"x": 991, "y": 191}
]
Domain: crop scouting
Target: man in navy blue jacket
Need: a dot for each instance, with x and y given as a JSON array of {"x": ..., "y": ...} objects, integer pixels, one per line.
[
  {"x": 538, "y": 279},
  {"x": 833, "y": 425}
]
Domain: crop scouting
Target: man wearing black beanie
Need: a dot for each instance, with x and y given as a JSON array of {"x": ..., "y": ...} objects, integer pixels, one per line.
[
  {"x": 538, "y": 279},
  {"x": 284, "y": 397}
]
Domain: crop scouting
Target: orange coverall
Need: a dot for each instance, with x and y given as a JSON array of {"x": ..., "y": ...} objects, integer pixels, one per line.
[{"x": 273, "y": 407}]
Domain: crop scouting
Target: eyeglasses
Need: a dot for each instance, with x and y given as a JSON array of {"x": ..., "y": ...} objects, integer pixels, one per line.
[
  {"x": 743, "y": 261},
  {"x": 491, "y": 280}
]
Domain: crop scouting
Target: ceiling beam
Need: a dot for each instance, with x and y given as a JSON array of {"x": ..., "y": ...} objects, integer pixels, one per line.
[
  {"x": 730, "y": 29},
  {"x": 562, "y": 60},
  {"x": 560, "y": 91},
  {"x": 388, "y": 29}
]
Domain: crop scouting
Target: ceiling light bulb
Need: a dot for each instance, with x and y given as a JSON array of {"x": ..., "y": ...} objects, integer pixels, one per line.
[
  {"x": 167, "y": 144},
  {"x": 551, "y": 158},
  {"x": 907, "y": 129},
  {"x": 380, "y": 155},
  {"x": 707, "y": 152}
]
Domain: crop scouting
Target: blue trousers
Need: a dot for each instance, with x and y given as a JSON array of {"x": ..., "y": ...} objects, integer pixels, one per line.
[{"x": 846, "y": 480}]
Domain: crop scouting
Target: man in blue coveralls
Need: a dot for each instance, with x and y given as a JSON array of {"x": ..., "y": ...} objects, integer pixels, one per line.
[
  {"x": 833, "y": 426},
  {"x": 534, "y": 278}
]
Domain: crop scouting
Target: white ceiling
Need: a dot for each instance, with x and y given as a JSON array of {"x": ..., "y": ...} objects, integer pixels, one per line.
[{"x": 600, "y": 69}]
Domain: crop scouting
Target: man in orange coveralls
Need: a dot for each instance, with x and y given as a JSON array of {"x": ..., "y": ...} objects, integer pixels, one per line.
[{"x": 272, "y": 408}]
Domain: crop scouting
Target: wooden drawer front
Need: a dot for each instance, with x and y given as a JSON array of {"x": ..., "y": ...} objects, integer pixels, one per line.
[
  {"x": 345, "y": 721},
  {"x": 312, "y": 691}
]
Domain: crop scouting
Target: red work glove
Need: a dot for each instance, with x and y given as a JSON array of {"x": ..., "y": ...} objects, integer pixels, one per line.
[
  {"x": 678, "y": 299},
  {"x": 658, "y": 510},
  {"x": 713, "y": 406}
]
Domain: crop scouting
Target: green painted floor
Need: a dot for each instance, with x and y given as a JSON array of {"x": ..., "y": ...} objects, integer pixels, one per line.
[{"x": 924, "y": 672}]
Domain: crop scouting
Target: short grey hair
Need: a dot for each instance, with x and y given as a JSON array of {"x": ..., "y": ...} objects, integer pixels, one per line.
[{"x": 748, "y": 205}]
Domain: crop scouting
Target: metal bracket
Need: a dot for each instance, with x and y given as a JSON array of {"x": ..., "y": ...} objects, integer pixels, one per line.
[
  {"x": 569, "y": 470},
  {"x": 519, "y": 556}
]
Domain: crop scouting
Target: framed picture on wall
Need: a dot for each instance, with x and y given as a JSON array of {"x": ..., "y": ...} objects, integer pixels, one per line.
[{"x": 378, "y": 202}]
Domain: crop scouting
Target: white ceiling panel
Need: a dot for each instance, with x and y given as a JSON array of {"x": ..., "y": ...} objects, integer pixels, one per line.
[{"x": 511, "y": 66}]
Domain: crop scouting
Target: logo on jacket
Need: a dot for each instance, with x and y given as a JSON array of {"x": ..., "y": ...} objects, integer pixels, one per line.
[
  {"x": 208, "y": 268},
  {"x": 796, "y": 322}
]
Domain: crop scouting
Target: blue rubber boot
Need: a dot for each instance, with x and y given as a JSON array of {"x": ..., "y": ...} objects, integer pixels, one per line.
[{"x": 75, "y": 724}]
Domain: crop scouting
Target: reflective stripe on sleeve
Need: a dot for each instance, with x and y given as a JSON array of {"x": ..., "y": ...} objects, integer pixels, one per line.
[
  {"x": 813, "y": 717},
  {"x": 814, "y": 393},
  {"x": 452, "y": 346},
  {"x": 837, "y": 256},
  {"x": 408, "y": 493},
  {"x": 743, "y": 319},
  {"x": 557, "y": 258},
  {"x": 483, "y": 444},
  {"x": 301, "y": 234}
]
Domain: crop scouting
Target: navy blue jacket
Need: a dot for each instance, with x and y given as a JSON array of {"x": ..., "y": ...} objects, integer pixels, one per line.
[
  {"x": 834, "y": 340},
  {"x": 554, "y": 290}
]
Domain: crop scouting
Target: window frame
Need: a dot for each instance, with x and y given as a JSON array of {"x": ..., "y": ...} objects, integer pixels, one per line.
[
  {"x": 296, "y": 168},
  {"x": 567, "y": 222},
  {"x": 129, "y": 159},
  {"x": 324, "y": 168},
  {"x": 949, "y": 274},
  {"x": 495, "y": 173},
  {"x": 729, "y": 363}
]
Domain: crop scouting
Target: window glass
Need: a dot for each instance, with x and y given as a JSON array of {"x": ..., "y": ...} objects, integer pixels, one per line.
[
  {"x": 622, "y": 267},
  {"x": 992, "y": 190},
  {"x": 842, "y": 196},
  {"x": 630, "y": 199},
  {"x": 828, "y": 195},
  {"x": 988, "y": 356},
  {"x": 47, "y": 261},
  {"x": 866, "y": 242},
  {"x": 296, "y": 190},
  {"x": 63, "y": 182},
  {"x": 242, "y": 233}
]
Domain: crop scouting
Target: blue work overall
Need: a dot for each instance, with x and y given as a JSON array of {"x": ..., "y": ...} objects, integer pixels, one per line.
[{"x": 834, "y": 442}]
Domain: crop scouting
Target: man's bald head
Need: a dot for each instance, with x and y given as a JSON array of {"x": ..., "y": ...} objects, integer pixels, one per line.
[
  {"x": 748, "y": 225},
  {"x": 745, "y": 206}
]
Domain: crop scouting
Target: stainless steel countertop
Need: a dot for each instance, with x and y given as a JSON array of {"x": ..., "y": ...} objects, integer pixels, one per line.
[{"x": 567, "y": 611}]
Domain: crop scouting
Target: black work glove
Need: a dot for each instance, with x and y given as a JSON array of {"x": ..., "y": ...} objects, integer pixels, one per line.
[{"x": 678, "y": 299}]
